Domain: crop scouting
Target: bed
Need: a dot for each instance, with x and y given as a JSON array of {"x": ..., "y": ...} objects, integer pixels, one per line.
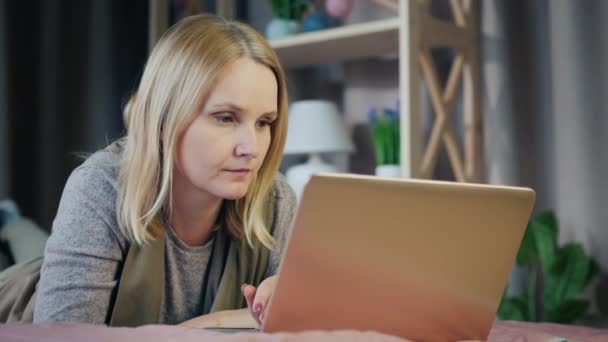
[{"x": 502, "y": 331}]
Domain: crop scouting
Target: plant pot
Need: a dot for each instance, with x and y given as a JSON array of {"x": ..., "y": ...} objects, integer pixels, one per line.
[
  {"x": 279, "y": 28},
  {"x": 392, "y": 171}
]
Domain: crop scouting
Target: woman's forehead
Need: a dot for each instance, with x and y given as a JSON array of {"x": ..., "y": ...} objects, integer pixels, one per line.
[{"x": 246, "y": 84}]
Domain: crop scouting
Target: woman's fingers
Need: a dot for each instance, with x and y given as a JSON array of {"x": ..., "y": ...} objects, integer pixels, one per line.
[
  {"x": 262, "y": 295},
  {"x": 249, "y": 293},
  {"x": 257, "y": 298}
]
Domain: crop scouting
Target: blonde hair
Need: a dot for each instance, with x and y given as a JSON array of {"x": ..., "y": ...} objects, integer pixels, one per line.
[{"x": 177, "y": 76}]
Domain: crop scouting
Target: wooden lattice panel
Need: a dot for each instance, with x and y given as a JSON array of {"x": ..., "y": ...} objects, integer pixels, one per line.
[{"x": 463, "y": 36}]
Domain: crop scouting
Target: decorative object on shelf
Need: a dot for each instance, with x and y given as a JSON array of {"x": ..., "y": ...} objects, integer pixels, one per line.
[
  {"x": 286, "y": 17},
  {"x": 388, "y": 171},
  {"x": 339, "y": 8},
  {"x": 385, "y": 135},
  {"x": 315, "y": 127},
  {"x": 314, "y": 20},
  {"x": 556, "y": 276},
  {"x": 343, "y": 8}
]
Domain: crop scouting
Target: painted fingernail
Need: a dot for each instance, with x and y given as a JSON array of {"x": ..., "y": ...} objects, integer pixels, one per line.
[{"x": 257, "y": 308}]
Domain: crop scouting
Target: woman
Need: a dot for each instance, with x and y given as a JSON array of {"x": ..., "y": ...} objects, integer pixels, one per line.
[{"x": 187, "y": 214}]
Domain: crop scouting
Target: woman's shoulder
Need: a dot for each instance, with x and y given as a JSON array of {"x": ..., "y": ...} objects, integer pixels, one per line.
[
  {"x": 281, "y": 189},
  {"x": 284, "y": 198},
  {"x": 106, "y": 160},
  {"x": 96, "y": 179},
  {"x": 284, "y": 203},
  {"x": 89, "y": 197}
]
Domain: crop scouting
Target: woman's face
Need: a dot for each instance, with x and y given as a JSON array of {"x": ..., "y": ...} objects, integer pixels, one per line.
[{"x": 223, "y": 148}]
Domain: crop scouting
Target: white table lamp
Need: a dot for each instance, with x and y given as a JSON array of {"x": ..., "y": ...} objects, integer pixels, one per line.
[{"x": 315, "y": 127}]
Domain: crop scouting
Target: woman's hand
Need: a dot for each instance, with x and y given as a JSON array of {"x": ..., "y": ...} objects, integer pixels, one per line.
[{"x": 257, "y": 298}]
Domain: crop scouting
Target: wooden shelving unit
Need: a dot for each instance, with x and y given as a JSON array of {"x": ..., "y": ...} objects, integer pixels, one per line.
[
  {"x": 410, "y": 36},
  {"x": 372, "y": 39}
]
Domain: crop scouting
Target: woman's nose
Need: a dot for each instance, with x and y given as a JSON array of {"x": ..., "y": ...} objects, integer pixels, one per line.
[{"x": 247, "y": 144}]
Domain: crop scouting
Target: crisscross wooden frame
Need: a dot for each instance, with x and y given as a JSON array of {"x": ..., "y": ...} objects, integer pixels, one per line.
[{"x": 421, "y": 33}]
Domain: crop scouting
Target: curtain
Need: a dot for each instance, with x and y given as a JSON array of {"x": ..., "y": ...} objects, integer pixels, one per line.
[
  {"x": 67, "y": 68},
  {"x": 545, "y": 73}
]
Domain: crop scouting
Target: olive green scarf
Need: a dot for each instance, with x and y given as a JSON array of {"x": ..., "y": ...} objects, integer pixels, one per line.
[
  {"x": 233, "y": 263},
  {"x": 142, "y": 283}
]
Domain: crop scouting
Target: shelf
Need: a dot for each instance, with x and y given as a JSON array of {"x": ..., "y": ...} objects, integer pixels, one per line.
[{"x": 372, "y": 39}]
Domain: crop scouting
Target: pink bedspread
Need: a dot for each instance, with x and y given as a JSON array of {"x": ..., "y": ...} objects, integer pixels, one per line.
[{"x": 504, "y": 331}]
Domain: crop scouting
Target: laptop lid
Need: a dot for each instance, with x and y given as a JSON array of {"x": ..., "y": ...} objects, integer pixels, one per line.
[{"x": 424, "y": 260}]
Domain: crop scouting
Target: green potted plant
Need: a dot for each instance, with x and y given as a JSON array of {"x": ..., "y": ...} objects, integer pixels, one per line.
[
  {"x": 286, "y": 17},
  {"x": 386, "y": 139},
  {"x": 556, "y": 276}
]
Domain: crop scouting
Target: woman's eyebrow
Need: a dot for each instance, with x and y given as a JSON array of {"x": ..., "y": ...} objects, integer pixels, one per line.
[
  {"x": 234, "y": 107},
  {"x": 229, "y": 105},
  {"x": 272, "y": 114}
]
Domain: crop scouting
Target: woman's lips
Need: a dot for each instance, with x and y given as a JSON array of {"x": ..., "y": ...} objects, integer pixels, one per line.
[{"x": 238, "y": 172}]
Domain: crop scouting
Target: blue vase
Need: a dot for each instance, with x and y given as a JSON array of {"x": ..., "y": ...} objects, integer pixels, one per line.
[
  {"x": 315, "y": 21},
  {"x": 279, "y": 28}
]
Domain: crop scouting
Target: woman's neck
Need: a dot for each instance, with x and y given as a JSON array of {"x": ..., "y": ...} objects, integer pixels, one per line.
[{"x": 194, "y": 213}]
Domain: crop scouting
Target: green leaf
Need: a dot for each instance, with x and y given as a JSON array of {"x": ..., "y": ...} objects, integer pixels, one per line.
[
  {"x": 571, "y": 271},
  {"x": 513, "y": 309},
  {"x": 279, "y": 8},
  {"x": 527, "y": 250},
  {"x": 378, "y": 144},
  {"x": 544, "y": 243},
  {"x": 398, "y": 145},
  {"x": 275, "y": 6},
  {"x": 389, "y": 143},
  {"x": 566, "y": 271},
  {"x": 568, "y": 311},
  {"x": 546, "y": 222},
  {"x": 288, "y": 9},
  {"x": 549, "y": 219},
  {"x": 386, "y": 143},
  {"x": 550, "y": 281},
  {"x": 531, "y": 302},
  {"x": 298, "y": 8}
]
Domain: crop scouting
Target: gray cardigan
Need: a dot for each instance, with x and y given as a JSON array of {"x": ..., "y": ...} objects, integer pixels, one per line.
[{"x": 86, "y": 248}]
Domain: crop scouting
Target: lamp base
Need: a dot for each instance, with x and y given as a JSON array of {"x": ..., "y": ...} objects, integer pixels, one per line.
[{"x": 298, "y": 175}]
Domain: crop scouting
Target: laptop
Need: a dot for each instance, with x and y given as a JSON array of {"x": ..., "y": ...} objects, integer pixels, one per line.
[{"x": 424, "y": 260}]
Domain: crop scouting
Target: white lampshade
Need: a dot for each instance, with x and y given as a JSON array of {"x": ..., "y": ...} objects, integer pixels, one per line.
[{"x": 315, "y": 126}]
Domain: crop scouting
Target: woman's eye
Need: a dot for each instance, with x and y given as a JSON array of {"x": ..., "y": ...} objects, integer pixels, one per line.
[
  {"x": 264, "y": 123},
  {"x": 224, "y": 118}
]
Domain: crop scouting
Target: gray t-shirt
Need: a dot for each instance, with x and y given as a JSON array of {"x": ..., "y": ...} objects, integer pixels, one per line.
[{"x": 86, "y": 248}]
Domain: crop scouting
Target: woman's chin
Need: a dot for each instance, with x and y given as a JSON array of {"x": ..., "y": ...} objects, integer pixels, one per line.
[
  {"x": 229, "y": 190},
  {"x": 234, "y": 194},
  {"x": 234, "y": 197}
]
